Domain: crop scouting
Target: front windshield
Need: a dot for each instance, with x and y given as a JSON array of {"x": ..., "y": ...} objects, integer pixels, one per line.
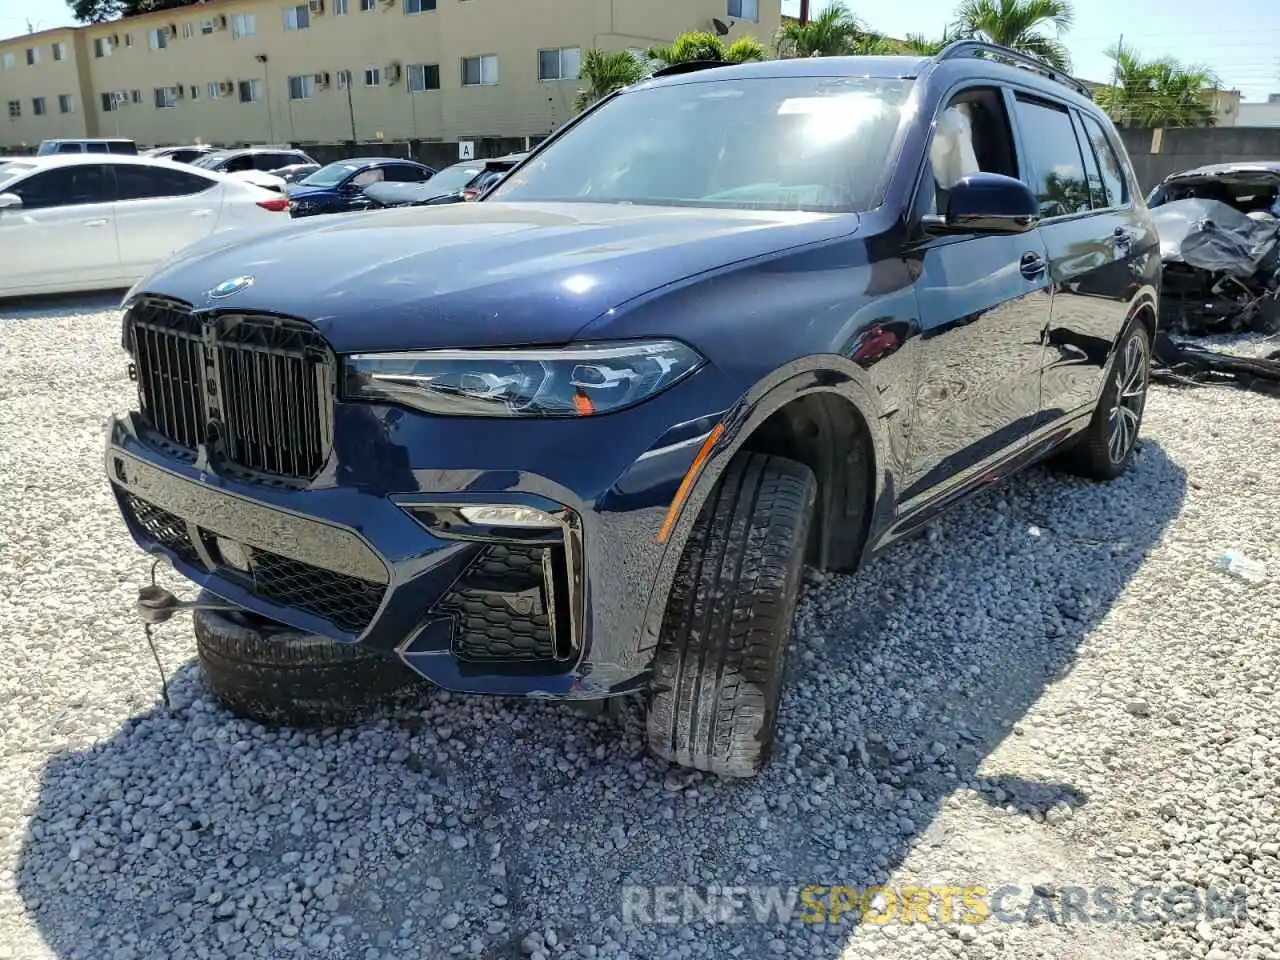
[
  {"x": 769, "y": 143},
  {"x": 9, "y": 172},
  {"x": 329, "y": 176},
  {"x": 453, "y": 179}
]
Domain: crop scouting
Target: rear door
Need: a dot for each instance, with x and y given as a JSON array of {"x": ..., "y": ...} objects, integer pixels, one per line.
[
  {"x": 63, "y": 236},
  {"x": 160, "y": 211},
  {"x": 1088, "y": 234}
]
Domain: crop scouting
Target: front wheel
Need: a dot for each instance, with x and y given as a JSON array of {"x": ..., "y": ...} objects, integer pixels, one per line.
[
  {"x": 1106, "y": 448},
  {"x": 717, "y": 675}
]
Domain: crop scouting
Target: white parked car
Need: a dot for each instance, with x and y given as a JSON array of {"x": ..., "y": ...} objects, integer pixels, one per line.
[{"x": 96, "y": 222}]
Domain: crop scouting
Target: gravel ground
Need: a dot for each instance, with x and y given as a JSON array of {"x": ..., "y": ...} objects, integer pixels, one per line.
[{"x": 1054, "y": 689}]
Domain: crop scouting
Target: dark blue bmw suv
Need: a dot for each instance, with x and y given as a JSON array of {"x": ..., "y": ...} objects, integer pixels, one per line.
[{"x": 580, "y": 438}]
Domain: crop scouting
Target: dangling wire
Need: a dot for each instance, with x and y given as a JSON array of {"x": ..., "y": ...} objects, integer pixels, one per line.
[{"x": 151, "y": 642}]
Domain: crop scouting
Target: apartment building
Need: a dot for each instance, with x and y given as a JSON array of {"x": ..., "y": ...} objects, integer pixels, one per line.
[
  {"x": 232, "y": 71},
  {"x": 42, "y": 91}
]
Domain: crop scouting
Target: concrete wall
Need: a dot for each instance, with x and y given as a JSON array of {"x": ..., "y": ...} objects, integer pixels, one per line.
[
  {"x": 47, "y": 80},
  {"x": 1156, "y": 154},
  {"x": 203, "y": 55}
]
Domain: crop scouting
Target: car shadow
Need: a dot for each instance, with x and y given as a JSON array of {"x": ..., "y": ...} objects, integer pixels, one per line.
[
  {"x": 59, "y": 305},
  {"x": 474, "y": 824}
]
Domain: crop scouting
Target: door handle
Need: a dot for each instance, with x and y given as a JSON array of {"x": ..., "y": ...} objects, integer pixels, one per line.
[
  {"x": 96, "y": 223},
  {"x": 1032, "y": 265}
]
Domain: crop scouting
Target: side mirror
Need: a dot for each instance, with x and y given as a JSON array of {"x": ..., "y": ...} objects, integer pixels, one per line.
[
  {"x": 987, "y": 203},
  {"x": 9, "y": 201}
]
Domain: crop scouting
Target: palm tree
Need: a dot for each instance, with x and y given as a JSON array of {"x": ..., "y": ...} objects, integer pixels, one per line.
[
  {"x": 1020, "y": 25},
  {"x": 700, "y": 45},
  {"x": 835, "y": 32},
  {"x": 923, "y": 46},
  {"x": 1157, "y": 93},
  {"x": 604, "y": 73}
]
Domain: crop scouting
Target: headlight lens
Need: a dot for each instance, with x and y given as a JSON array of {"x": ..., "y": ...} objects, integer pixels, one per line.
[{"x": 574, "y": 381}]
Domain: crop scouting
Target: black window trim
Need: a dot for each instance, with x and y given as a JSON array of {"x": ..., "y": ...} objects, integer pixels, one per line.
[
  {"x": 1033, "y": 95},
  {"x": 1083, "y": 130},
  {"x": 210, "y": 183}
]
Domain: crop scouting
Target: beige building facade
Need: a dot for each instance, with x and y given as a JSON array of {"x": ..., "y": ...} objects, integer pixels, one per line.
[{"x": 251, "y": 71}]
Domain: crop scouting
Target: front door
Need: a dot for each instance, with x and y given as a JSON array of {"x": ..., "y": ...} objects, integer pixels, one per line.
[
  {"x": 160, "y": 211},
  {"x": 984, "y": 305},
  {"x": 63, "y": 237}
]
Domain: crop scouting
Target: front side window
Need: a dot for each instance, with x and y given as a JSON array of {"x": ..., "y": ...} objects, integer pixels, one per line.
[
  {"x": 64, "y": 187},
  {"x": 561, "y": 64},
  {"x": 302, "y": 87},
  {"x": 1055, "y": 167},
  {"x": 1114, "y": 185},
  {"x": 793, "y": 143},
  {"x": 297, "y": 18},
  {"x": 423, "y": 76},
  {"x": 479, "y": 71},
  {"x": 243, "y": 25},
  {"x": 971, "y": 135},
  {"x": 144, "y": 183}
]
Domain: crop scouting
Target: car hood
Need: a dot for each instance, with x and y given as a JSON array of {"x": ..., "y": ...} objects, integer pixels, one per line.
[
  {"x": 297, "y": 191},
  {"x": 476, "y": 274}
]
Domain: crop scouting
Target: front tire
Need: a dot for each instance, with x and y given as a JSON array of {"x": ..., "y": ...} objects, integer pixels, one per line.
[
  {"x": 717, "y": 675},
  {"x": 1106, "y": 448}
]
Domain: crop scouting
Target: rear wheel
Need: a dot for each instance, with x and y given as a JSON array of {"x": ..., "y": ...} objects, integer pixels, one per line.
[
  {"x": 1106, "y": 448},
  {"x": 717, "y": 675},
  {"x": 279, "y": 676}
]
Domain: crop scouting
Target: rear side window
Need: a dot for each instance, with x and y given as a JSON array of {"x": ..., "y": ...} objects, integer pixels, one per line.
[
  {"x": 1113, "y": 179},
  {"x": 68, "y": 148},
  {"x": 128, "y": 148},
  {"x": 142, "y": 183},
  {"x": 96, "y": 147},
  {"x": 1054, "y": 167},
  {"x": 403, "y": 173},
  {"x": 236, "y": 164},
  {"x": 65, "y": 187}
]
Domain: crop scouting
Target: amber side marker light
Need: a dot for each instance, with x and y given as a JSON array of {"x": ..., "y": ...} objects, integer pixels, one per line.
[{"x": 690, "y": 476}]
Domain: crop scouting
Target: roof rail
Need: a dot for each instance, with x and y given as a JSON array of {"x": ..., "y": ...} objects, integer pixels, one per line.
[
  {"x": 976, "y": 48},
  {"x": 689, "y": 66}
]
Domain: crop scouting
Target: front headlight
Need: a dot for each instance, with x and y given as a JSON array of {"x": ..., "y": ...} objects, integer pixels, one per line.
[{"x": 574, "y": 381}]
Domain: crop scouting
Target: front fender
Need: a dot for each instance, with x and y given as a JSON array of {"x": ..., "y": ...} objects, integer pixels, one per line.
[{"x": 826, "y": 373}]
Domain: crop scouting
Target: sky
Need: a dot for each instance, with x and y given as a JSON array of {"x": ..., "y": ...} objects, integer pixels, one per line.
[{"x": 1238, "y": 39}]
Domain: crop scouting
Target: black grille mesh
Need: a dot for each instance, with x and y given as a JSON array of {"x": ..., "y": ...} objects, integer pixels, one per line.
[
  {"x": 500, "y": 608},
  {"x": 161, "y": 526},
  {"x": 346, "y": 602}
]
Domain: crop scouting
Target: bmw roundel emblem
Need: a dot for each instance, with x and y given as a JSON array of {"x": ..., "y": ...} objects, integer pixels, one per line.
[{"x": 227, "y": 287}]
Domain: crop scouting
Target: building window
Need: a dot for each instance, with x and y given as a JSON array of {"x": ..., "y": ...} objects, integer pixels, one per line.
[
  {"x": 479, "y": 71},
  {"x": 243, "y": 25},
  {"x": 339, "y": 8},
  {"x": 59, "y": 51},
  {"x": 744, "y": 10},
  {"x": 419, "y": 6},
  {"x": 158, "y": 39},
  {"x": 7, "y": 61},
  {"x": 37, "y": 106},
  {"x": 424, "y": 76},
  {"x": 195, "y": 91},
  {"x": 33, "y": 56},
  {"x": 303, "y": 87},
  {"x": 128, "y": 39},
  {"x": 213, "y": 90},
  {"x": 166, "y": 97},
  {"x": 66, "y": 104},
  {"x": 135, "y": 96},
  {"x": 368, "y": 6},
  {"x": 250, "y": 91},
  {"x": 188, "y": 30},
  {"x": 562, "y": 64},
  {"x": 372, "y": 76},
  {"x": 15, "y": 109},
  {"x": 344, "y": 79},
  {"x": 206, "y": 27},
  {"x": 297, "y": 18}
]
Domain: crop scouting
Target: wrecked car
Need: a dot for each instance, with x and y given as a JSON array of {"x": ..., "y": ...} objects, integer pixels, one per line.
[{"x": 1220, "y": 244}]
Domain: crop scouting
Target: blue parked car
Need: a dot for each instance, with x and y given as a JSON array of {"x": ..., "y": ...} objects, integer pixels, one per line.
[
  {"x": 339, "y": 187},
  {"x": 579, "y": 438}
]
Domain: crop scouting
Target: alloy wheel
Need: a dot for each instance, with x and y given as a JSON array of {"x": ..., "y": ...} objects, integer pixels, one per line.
[{"x": 1125, "y": 415}]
